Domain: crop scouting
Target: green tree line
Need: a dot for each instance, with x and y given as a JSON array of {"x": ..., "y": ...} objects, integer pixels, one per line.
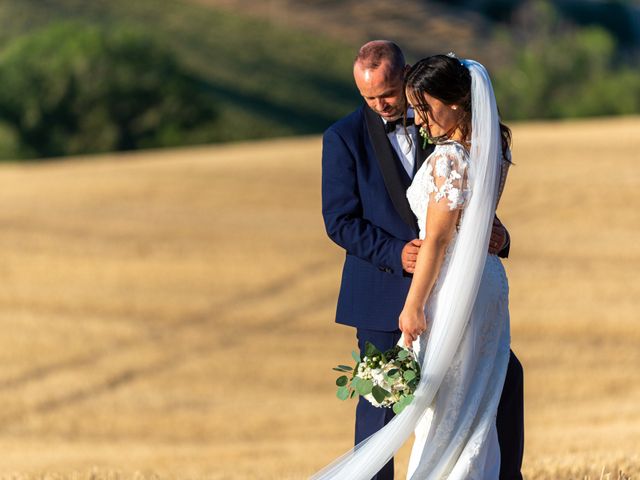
[
  {"x": 73, "y": 89},
  {"x": 92, "y": 85},
  {"x": 559, "y": 71}
]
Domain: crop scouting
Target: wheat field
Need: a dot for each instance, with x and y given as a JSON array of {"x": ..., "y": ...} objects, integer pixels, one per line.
[{"x": 169, "y": 314}]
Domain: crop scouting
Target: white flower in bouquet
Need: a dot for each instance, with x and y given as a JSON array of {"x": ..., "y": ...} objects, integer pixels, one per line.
[{"x": 385, "y": 379}]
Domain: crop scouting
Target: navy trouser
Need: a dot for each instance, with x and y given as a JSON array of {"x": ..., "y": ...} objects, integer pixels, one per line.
[
  {"x": 370, "y": 419},
  {"x": 509, "y": 421}
]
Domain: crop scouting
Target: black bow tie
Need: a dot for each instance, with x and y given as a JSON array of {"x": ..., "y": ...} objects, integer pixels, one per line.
[{"x": 392, "y": 125}]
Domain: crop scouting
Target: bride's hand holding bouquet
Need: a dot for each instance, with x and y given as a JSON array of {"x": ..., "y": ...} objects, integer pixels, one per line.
[{"x": 412, "y": 322}]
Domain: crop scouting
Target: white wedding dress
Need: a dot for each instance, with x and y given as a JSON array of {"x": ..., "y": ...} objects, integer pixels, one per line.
[{"x": 459, "y": 428}]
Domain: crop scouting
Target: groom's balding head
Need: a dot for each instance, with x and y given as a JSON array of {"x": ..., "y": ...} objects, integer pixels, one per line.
[
  {"x": 379, "y": 70},
  {"x": 378, "y": 53}
]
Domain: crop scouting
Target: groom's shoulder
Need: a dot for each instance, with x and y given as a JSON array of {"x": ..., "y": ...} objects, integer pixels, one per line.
[{"x": 349, "y": 124}]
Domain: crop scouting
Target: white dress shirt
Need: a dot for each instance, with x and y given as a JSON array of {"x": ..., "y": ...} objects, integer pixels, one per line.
[{"x": 404, "y": 143}]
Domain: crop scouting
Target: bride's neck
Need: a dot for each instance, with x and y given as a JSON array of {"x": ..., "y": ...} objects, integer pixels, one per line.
[{"x": 458, "y": 136}]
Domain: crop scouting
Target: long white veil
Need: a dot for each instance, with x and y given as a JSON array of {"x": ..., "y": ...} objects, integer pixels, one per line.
[{"x": 458, "y": 292}]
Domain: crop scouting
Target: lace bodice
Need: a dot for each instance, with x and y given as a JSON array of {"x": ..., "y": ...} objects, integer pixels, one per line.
[
  {"x": 443, "y": 176},
  {"x": 441, "y": 182}
]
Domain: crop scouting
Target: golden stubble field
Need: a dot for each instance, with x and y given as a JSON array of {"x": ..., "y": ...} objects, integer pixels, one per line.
[{"x": 171, "y": 313}]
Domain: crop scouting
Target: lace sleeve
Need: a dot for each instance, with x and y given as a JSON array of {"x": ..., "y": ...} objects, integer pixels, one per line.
[{"x": 448, "y": 175}]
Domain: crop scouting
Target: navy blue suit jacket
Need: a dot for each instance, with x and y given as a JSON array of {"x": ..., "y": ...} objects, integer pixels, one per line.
[{"x": 366, "y": 212}]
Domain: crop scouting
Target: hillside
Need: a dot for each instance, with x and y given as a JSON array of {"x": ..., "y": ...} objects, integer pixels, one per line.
[
  {"x": 283, "y": 68},
  {"x": 269, "y": 80},
  {"x": 171, "y": 313},
  {"x": 420, "y": 27}
]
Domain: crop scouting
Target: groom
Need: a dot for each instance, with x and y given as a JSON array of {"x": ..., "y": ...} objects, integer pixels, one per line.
[{"x": 368, "y": 161}]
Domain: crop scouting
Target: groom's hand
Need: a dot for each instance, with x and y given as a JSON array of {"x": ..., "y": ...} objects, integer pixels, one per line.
[
  {"x": 498, "y": 237},
  {"x": 410, "y": 254}
]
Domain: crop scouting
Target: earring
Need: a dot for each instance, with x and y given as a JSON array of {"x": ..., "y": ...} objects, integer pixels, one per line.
[{"x": 454, "y": 107}]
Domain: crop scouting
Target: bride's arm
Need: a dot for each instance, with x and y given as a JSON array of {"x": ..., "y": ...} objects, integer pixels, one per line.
[
  {"x": 446, "y": 197},
  {"x": 441, "y": 224}
]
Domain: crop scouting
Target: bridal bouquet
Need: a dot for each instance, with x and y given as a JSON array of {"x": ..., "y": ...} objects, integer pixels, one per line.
[{"x": 385, "y": 379}]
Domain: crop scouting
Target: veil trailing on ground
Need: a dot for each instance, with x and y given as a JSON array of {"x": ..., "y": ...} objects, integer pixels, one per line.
[{"x": 458, "y": 292}]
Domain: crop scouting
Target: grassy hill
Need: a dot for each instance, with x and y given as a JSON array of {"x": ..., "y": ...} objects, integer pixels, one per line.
[
  {"x": 171, "y": 312},
  {"x": 420, "y": 27},
  {"x": 281, "y": 67},
  {"x": 268, "y": 80}
]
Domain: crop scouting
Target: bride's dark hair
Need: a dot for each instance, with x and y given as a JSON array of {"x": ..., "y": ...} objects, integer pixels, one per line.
[{"x": 446, "y": 79}]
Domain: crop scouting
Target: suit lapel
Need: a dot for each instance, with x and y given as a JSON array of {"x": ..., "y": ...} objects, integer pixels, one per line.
[{"x": 389, "y": 167}]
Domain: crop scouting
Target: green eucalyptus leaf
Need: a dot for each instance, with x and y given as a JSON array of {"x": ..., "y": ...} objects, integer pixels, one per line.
[
  {"x": 371, "y": 350},
  {"x": 365, "y": 387},
  {"x": 355, "y": 356},
  {"x": 342, "y": 381},
  {"x": 342, "y": 393},
  {"x": 409, "y": 375},
  {"x": 342, "y": 368},
  {"x": 379, "y": 393},
  {"x": 403, "y": 354},
  {"x": 402, "y": 403}
]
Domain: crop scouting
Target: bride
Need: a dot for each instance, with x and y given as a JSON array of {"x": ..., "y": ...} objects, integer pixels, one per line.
[{"x": 456, "y": 313}]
